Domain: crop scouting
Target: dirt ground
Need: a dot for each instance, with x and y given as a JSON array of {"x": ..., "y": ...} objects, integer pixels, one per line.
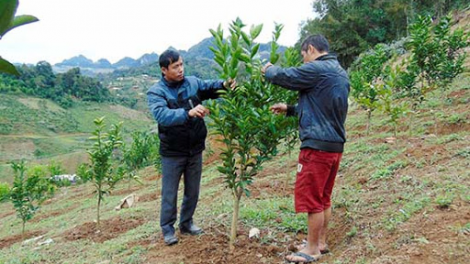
[
  {"x": 108, "y": 229},
  {"x": 430, "y": 236}
]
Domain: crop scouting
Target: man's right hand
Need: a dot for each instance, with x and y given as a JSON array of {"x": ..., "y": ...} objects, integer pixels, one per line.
[
  {"x": 198, "y": 111},
  {"x": 265, "y": 67},
  {"x": 279, "y": 108}
]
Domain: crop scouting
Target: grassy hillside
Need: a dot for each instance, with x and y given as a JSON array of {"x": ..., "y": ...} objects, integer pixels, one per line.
[
  {"x": 397, "y": 200},
  {"x": 39, "y": 130}
]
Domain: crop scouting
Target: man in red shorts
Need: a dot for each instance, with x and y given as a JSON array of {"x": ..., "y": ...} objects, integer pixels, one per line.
[{"x": 323, "y": 87}]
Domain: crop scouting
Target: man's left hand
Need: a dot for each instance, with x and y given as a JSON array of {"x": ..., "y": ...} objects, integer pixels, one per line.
[
  {"x": 230, "y": 83},
  {"x": 265, "y": 67}
]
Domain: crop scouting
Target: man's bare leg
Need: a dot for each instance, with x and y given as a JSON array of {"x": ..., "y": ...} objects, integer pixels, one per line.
[
  {"x": 315, "y": 227},
  {"x": 324, "y": 231}
]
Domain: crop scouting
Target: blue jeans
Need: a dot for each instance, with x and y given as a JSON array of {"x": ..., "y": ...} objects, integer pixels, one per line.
[{"x": 172, "y": 169}]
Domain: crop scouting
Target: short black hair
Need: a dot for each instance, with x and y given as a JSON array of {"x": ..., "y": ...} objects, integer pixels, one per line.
[
  {"x": 168, "y": 57},
  {"x": 318, "y": 41}
]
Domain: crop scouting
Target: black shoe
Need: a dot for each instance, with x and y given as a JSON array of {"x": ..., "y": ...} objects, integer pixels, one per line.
[
  {"x": 192, "y": 230},
  {"x": 170, "y": 239}
]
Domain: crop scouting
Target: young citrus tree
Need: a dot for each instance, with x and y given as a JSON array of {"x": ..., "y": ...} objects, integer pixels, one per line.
[
  {"x": 27, "y": 193},
  {"x": 142, "y": 151},
  {"x": 249, "y": 131},
  {"x": 367, "y": 70},
  {"x": 4, "y": 192},
  {"x": 9, "y": 21},
  {"x": 291, "y": 59},
  {"x": 388, "y": 101},
  {"x": 102, "y": 171},
  {"x": 437, "y": 57}
]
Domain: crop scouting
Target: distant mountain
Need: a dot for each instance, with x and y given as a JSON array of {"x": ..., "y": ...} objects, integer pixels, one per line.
[
  {"x": 126, "y": 63},
  {"x": 201, "y": 50},
  {"x": 198, "y": 60},
  {"x": 90, "y": 68},
  {"x": 148, "y": 58},
  {"x": 77, "y": 61},
  {"x": 103, "y": 63}
]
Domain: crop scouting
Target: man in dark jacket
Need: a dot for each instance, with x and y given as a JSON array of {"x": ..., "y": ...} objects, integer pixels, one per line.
[
  {"x": 323, "y": 87},
  {"x": 175, "y": 102}
]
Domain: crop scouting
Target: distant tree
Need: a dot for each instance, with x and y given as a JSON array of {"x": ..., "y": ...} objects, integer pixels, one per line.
[{"x": 354, "y": 26}]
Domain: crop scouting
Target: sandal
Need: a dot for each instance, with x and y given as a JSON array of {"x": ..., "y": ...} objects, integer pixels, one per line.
[{"x": 307, "y": 258}]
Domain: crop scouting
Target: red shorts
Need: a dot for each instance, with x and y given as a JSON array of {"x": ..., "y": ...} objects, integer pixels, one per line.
[{"x": 316, "y": 175}]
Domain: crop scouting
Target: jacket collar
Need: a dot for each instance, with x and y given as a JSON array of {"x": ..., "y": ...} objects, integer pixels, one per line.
[
  {"x": 172, "y": 84},
  {"x": 328, "y": 56}
]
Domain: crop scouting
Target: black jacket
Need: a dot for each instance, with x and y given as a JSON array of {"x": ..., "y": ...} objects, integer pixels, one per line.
[
  {"x": 181, "y": 135},
  {"x": 323, "y": 88}
]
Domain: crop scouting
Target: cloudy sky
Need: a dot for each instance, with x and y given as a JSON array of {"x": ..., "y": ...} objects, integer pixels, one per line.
[{"x": 114, "y": 29}]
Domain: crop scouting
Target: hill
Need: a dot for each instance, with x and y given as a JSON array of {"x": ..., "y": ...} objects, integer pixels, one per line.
[
  {"x": 401, "y": 199},
  {"x": 398, "y": 199},
  {"x": 39, "y": 130},
  {"x": 89, "y": 67},
  {"x": 198, "y": 61}
]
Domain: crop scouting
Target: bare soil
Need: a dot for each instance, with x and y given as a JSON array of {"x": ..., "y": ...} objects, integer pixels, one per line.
[
  {"x": 109, "y": 229},
  {"x": 211, "y": 247},
  {"x": 8, "y": 241}
]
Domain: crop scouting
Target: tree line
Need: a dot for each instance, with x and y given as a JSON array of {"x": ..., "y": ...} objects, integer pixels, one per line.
[
  {"x": 62, "y": 88},
  {"x": 354, "y": 26}
]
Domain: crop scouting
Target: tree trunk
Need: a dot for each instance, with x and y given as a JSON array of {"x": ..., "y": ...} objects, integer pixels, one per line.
[
  {"x": 22, "y": 230},
  {"x": 286, "y": 183},
  {"x": 369, "y": 116},
  {"x": 395, "y": 129},
  {"x": 98, "y": 211},
  {"x": 236, "y": 208},
  {"x": 410, "y": 127}
]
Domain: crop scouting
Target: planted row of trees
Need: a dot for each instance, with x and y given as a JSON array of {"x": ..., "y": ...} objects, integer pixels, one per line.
[
  {"x": 111, "y": 160},
  {"x": 381, "y": 80},
  {"x": 354, "y": 26}
]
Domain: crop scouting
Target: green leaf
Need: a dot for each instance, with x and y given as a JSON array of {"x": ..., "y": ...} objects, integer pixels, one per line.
[
  {"x": 20, "y": 21},
  {"x": 213, "y": 32},
  {"x": 246, "y": 38},
  {"x": 7, "y": 67},
  {"x": 254, "y": 50},
  {"x": 7, "y": 12},
  {"x": 255, "y": 31}
]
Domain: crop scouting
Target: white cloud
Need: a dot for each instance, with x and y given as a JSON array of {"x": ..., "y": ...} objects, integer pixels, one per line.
[{"x": 114, "y": 29}]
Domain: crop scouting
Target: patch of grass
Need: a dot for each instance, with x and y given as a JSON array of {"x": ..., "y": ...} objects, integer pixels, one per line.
[
  {"x": 453, "y": 119},
  {"x": 464, "y": 153},
  {"x": 444, "y": 200},
  {"x": 465, "y": 229},
  {"x": 136, "y": 255},
  {"x": 388, "y": 171},
  {"x": 407, "y": 210},
  {"x": 280, "y": 210},
  {"x": 448, "y": 138},
  {"x": 352, "y": 232}
]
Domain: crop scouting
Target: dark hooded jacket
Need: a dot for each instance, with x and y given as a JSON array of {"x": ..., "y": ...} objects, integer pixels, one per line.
[
  {"x": 181, "y": 135},
  {"x": 323, "y": 87}
]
